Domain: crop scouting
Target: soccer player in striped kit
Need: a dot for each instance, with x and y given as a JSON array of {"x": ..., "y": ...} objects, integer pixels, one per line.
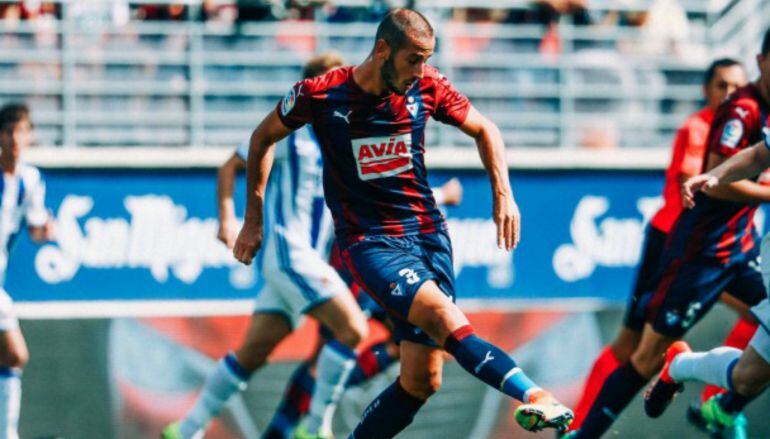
[
  {"x": 722, "y": 77},
  {"x": 297, "y": 398},
  {"x": 712, "y": 248},
  {"x": 22, "y": 202},
  {"x": 370, "y": 121}
]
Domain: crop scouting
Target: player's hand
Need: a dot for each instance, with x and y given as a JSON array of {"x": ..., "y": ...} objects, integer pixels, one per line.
[
  {"x": 693, "y": 185},
  {"x": 508, "y": 220},
  {"x": 228, "y": 232},
  {"x": 249, "y": 240},
  {"x": 453, "y": 192}
]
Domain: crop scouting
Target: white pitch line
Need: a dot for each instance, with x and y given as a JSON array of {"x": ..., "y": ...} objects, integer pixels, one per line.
[{"x": 199, "y": 308}]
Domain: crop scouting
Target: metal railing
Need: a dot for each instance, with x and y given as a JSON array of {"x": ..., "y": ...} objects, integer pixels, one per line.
[{"x": 196, "y": 83}]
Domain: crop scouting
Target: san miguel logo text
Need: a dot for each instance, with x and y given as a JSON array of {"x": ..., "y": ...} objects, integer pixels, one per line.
[{"x": 378, "y": 157}]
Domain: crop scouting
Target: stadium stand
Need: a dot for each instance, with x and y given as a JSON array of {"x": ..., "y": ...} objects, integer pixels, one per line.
[{"x": 578, "y": 73}]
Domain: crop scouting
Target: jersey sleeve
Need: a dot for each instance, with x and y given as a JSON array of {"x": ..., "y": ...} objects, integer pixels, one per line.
[
  {"x": 451, "y": 106},
  {"x": 35, "y": 212},
  {"x": 731, "y": 130},
  {"x": 242, "y": 151},
  {"x": 295, "y": 109}
]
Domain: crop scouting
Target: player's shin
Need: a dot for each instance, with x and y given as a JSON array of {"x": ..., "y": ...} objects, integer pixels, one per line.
[
  {"x": 489, "y": 363},
  {"x": 389, "y": 414},
  {"x": 227, "y": 378},
  {"x": 335, "y": 362},
  {"x": 602, "y": 368},
  {"x": 618, "y": 390},
  {"x": 10, "y": 402}
]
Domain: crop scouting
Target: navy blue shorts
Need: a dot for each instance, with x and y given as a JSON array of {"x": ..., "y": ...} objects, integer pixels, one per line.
[
  {"x": 392, "y": 269},
  {"x": 686, "y": 289}
]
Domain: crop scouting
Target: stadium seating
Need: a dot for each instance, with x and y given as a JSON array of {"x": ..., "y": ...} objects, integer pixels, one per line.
[{"x": 617, "y": 82}]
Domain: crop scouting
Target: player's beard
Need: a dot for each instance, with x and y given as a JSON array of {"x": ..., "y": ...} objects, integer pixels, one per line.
[{"x": 388, "y": 74}]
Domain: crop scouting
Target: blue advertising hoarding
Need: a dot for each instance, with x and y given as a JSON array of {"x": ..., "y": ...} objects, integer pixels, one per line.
[{"x": 151, "y": 235}]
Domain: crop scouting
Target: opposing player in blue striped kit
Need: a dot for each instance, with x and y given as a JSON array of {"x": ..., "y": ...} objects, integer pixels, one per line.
[{"x": 22, "y": 195}]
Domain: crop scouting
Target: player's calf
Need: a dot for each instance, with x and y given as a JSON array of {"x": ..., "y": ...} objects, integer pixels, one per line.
[{"x": 751, "y": 374}]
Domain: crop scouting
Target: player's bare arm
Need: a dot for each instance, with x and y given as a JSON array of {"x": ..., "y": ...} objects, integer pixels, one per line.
[
  {"x": 228, "y": 230},
  {"x": 492, "y": 151},
  {"x": 725, "y": 179},
  {"x": 261, "y": 151}
]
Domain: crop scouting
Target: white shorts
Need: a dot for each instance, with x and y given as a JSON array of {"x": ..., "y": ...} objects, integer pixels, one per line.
[
  {"x": 297, "y": 279},
  {"x": 761, "y": 340},
  {"x": 8, "y": 320}
]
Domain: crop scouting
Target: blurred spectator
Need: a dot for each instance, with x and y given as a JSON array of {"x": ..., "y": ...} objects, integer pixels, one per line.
[
  {"x": 664, "y": 28},
  {"x": 548, "y": 12},
  {"x": 218, "y": 12},
  {"x": 172, "y": 12},
  {"x": 260, "y": 10},
  {"x": 469, "y": 42}
]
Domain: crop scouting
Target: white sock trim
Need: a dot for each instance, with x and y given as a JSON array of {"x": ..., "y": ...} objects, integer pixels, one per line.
[{"x": 508, "y": 375}]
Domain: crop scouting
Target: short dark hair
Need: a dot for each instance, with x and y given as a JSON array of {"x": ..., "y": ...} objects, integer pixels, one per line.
[
  {"x": 398, "y": 23},
  {"x": 13, "y": 113},
  {"x": 766, "y": 43},
  {"x": 322, "y": 63},
  {"x": 718, "y": 64}
]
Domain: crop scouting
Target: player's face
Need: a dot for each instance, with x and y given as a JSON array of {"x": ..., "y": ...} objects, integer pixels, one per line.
[
  {"x": 725, "y": 81},
  {"x": 404, "y": 67},
  {"x": 16, "y": 137}
]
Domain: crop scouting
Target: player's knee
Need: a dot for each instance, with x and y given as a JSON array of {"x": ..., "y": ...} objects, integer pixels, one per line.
[
  {"x": 625, "y": 344},
  {"x": 422, "y": 387},
  {"x": 747, "y": 380},
  {"x": 438, "y": 321},
  {"x": 16, "y": 358},
  {"x": 647, "y": 364},
  {"x": 353, "y": 333}
]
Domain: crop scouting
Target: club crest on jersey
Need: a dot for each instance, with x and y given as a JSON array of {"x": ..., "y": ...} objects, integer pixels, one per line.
[
  {"x": 732, "y": 133},
  {"x": 412, "y": 107},
  {"x": 379, "y": 157},
  {"x": 289, "y": 100}
]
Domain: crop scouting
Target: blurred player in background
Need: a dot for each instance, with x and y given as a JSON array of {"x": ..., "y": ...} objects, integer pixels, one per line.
[
  {"x": 22, "y": 202},
  {"x": 298, "y": 280},
  {"x": 710, "y": 249},
  {"x": 722, "y": 78},
  {"x": 370, "y": 121},
  {"x": 744, "y": 373}
]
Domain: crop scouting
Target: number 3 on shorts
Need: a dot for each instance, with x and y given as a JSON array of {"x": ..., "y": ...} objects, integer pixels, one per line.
[{"x": 411, "y": 277}]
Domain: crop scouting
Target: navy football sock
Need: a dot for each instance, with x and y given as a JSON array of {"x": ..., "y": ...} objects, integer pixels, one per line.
[
  {"x": 733, "y": 402},
  {"x": 369, "y": 363},
  {"x": 618, "y": 390},
  {"x": 295, "y": 403},
  {"x": 489, "y": 363},
  {"x": 389, "y": 414}
]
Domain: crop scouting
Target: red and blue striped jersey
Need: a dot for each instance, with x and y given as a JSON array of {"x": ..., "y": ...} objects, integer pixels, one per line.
[
  {"x": 719, "y": 228},
  {"x": 375, "y": 181}
]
